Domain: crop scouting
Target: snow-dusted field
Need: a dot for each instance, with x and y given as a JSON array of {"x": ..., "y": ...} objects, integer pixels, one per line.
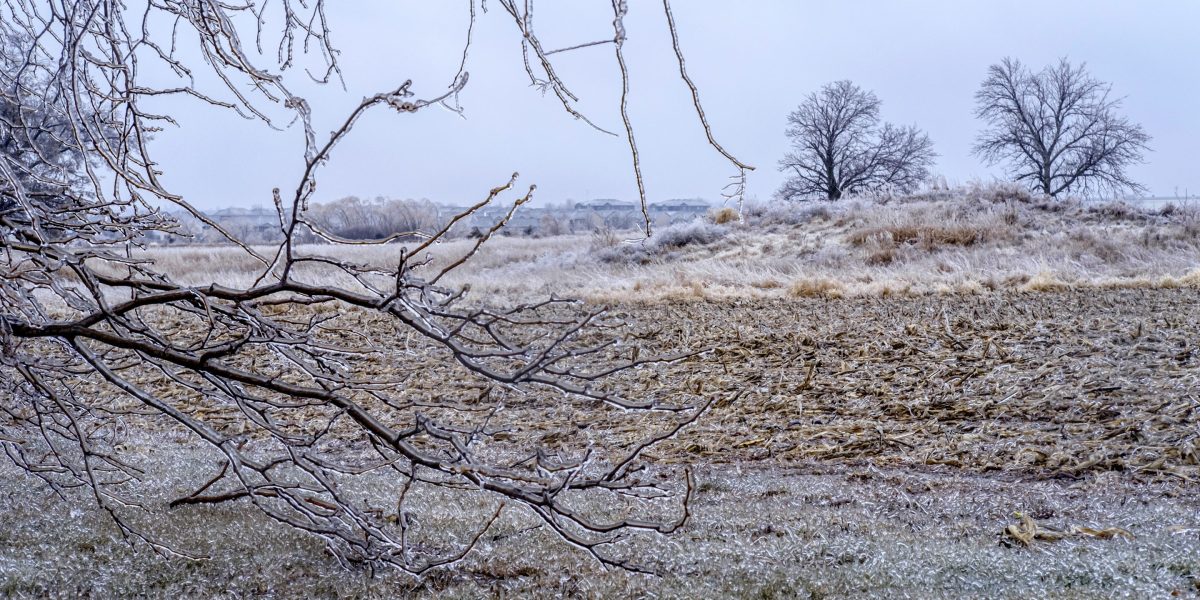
[{"x": 757, "y": 531}]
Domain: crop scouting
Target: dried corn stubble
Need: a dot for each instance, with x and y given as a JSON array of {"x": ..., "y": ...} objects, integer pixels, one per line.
[
  {"x": 1052, "y": 385},
  {"x": 1027, "y": 531},
  {"x": 1059, "y": 385}
]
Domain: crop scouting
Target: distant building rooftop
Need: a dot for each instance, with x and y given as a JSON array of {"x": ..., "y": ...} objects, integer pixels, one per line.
[
  {"x": 605, "y": 204},
  {"x": 681, "y": 204},
  {"x": 238, "y": 211}
]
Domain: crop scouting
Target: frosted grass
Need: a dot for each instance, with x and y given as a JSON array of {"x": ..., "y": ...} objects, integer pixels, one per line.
[{"x": 756, "y": 532}]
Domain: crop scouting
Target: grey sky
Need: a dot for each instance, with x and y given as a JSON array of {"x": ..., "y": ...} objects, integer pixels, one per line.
[{"x": 754, "y": 61}]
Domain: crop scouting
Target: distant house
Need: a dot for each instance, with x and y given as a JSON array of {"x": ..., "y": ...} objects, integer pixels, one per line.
[
  {"x": 482, "y": 219},
  {"x": 660, "y": 219},
  {"x": 580, "y": 217},
  {"x": 606, "y": 205},
  {"x": 678, "y": 210},
  {"x": 695, "y": 206},
  {"x": 527, "y": 220},
  {"x": 253, "y": 225},
  {"x": 445, "y": 213},
  {"x": 604, "y": 212}
]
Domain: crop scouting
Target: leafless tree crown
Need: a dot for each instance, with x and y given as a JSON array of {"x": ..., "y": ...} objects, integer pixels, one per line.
[
  {"x": 1058, "y": 129},
  {"x": 284, "y": 379},
  {"x": 839, "y": 147}
]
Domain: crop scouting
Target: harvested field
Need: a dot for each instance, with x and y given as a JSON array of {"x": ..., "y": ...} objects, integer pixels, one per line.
[
  {"x": 1037, "y": 384},
  {"x": 1034, "y": 384},
  {"x": 879, "y": 447}
]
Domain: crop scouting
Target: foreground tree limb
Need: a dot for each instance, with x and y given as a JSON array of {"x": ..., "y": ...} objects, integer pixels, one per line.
[{"x": 321, "y": 419}]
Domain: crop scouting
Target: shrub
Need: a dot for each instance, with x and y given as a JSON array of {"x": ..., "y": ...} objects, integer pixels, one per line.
[
  {"x": 999, "y": 192},
  {"x": 927, "y": 236},
  {"x": 1118, "y": 211},
  {"x": 607, "y": 249},
  {"x": 1083, "y": 242},
  {"x": 692, "y": 233},
  {"x": 623, "y": 254},
  {"x": 759, "y": 214},
  {"x": 604, "y": 238},
  {"x": 1189, "y": 221},
  {"x": 881, "y": 255}
]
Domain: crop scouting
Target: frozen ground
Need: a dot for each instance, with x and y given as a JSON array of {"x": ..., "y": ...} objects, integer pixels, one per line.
[{"x": 806, "y": 532}]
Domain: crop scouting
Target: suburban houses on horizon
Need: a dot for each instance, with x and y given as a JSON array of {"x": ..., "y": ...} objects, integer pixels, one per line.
[{"x": 262, "y": 223}]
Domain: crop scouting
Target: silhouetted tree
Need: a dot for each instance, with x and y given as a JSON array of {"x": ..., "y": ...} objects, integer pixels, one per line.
[
  {"x": 1057, "y": 129},
  {"x": 839, "y": 147}
]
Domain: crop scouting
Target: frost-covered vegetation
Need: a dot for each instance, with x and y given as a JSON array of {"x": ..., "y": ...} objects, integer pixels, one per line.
[
  {"x": 756, "y": 533},
  {"x": 968, "y": 240},
  {"x": 663, "y": 244}
]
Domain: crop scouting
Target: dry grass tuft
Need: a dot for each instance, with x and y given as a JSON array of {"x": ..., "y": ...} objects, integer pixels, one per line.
[
  {"x": 767, "y": 284},
  {"x": 1192, "y": 279},
  {"x": 880, "y": 253},
  {"x": 1045, "y": 282},
  {"x": 817, "y": 288},
  {"x": 721, "y": 216}
]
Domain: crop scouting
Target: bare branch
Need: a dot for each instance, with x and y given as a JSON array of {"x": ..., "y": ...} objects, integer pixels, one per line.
[{"x": 316, "y": 376}]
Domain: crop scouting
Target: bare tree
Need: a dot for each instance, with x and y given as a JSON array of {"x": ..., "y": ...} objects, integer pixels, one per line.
[
  {"x": 1058, "y": 129},
  {"x": 839, "y": 147},
  {"x": 553, "y": 224},
  {"x": 291, "y": 382}
]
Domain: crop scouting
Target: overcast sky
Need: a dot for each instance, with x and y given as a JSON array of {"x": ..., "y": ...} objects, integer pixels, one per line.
[{"x": 753, "y": 61}]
